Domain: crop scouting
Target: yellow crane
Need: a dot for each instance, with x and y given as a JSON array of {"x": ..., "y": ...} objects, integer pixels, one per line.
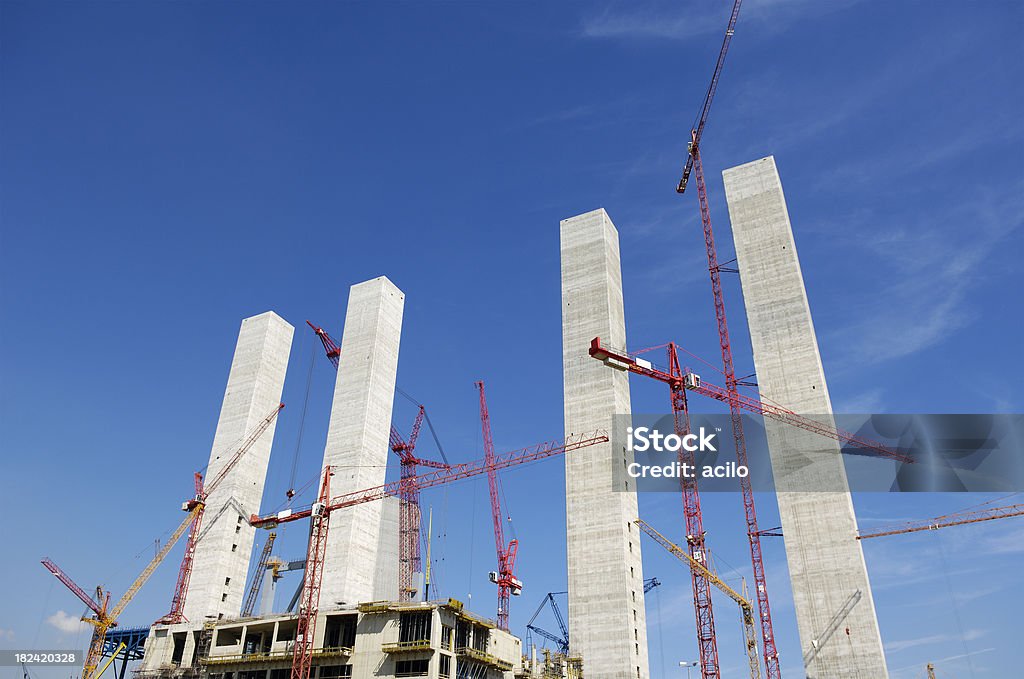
[
  {"x": 103, "y": 618},
  {"x": 746, "y": 608}
]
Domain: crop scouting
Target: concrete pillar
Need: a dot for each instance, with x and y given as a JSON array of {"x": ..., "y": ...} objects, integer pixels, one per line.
[
  {"x": 829, "y": 577},
  {"x": 385, "y": 584},
  {"x": 607, "y": 624},
  {"x": 217, "y": 585},
  {"x": 357, "y": 440}
]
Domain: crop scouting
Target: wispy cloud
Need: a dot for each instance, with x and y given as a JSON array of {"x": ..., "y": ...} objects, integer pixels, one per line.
[
  {"x": 633, "y": 21},
  {"x": 902, "y": 645},
  {"x": 7, "y": 634},
  {"x": 941, "y": 260},
  {"x": 69, "y": 624}
]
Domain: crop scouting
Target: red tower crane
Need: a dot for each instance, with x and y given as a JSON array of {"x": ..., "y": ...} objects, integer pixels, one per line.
[
  {"x": 680, "y": 381},
  {"x": 693, "y": 162},
  {"x": 203, "y": 491},
  {"x": 319, "y": 514},
  {"x": 504, "y": 577},
  {"x": 409, "y": 519}
]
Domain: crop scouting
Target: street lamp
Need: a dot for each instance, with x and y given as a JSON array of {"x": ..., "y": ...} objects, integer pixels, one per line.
[{"x": 687, "y": 665}]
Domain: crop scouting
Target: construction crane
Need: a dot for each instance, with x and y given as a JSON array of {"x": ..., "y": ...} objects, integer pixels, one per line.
[
  {"x": 746, "y": 608},
  {"x": 104, "y": 617},
  {"x": 508, "y": 584},
  {"x": 410, "y": 559},
  {"x": 954, "y": 519},
  {"x": 319, "y": 514},
  {"x": 257, "y": 578},
  {"x": 693, "y": 163},
  {"x": 198, "y": 502},
  {"x": 562, "y": 642}
]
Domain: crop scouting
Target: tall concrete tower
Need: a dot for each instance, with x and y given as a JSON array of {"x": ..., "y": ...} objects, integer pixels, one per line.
[
  {"x": 357, "y": 439},
  {"x": 607, "y": 624},
  {"x": 826, "y": 565},
  {"x": 255, "y": 382}
]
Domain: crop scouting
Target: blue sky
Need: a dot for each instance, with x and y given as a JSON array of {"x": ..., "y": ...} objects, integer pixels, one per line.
[{"x": 169, "y": 168}]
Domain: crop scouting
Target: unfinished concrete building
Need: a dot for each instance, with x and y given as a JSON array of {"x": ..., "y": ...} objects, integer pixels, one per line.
[
  {"x": 357, "y": 442},
  {"x": 835, "y": 610},
  {"x": 254, "y": 387},
  {"x": 607, "y": 622},
  {"x": 376, "y": 639}
]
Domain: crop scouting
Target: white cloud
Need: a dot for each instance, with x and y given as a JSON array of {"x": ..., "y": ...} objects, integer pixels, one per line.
[
  {"x": 6, "y": 634},
  {"x": 68, "y": 624}
]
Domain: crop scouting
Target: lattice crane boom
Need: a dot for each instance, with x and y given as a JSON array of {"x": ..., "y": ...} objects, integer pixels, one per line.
[
  {"x": 257, "y": 580},
  {"x": 947, "y": 520},
  {"x": 692, "y": 382},
  {"x": 698, "y": 131}
]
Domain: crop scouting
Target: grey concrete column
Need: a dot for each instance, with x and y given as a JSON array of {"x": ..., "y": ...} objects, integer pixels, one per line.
[
  {"x": 607, "y": 624},
  {"x": 834, "y": 607},
  {"x": 357, "y": 440},
  {"x": 221, "y": 565}
]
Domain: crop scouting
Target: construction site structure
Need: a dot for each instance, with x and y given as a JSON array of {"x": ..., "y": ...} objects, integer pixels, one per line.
[
  {"x": 434, "y": 640},
  {"x": 825, "y": 560},
  {"x": 358, "y": 441},
  {"x": 211, "y": 581},
  {"x": 607, "y": 619},
  {"x": 320, "y": 511}
]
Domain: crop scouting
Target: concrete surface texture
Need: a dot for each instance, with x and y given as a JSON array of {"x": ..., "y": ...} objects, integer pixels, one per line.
[
  {"x": 607, "y": 624},
  {"x": 221, "y": 565},
  {"x": 357, "y": 438},
  {"x": 835, "y": 611}
]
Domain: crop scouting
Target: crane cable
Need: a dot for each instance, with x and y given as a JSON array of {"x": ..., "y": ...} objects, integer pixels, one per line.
[{"x": 302, "y": 425}]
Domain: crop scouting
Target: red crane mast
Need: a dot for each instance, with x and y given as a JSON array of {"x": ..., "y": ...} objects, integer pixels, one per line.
[
  {"x": 410, "y": 555},
  {"x": 203, "y": 491},
  {"x": 504, "y": 578}
]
